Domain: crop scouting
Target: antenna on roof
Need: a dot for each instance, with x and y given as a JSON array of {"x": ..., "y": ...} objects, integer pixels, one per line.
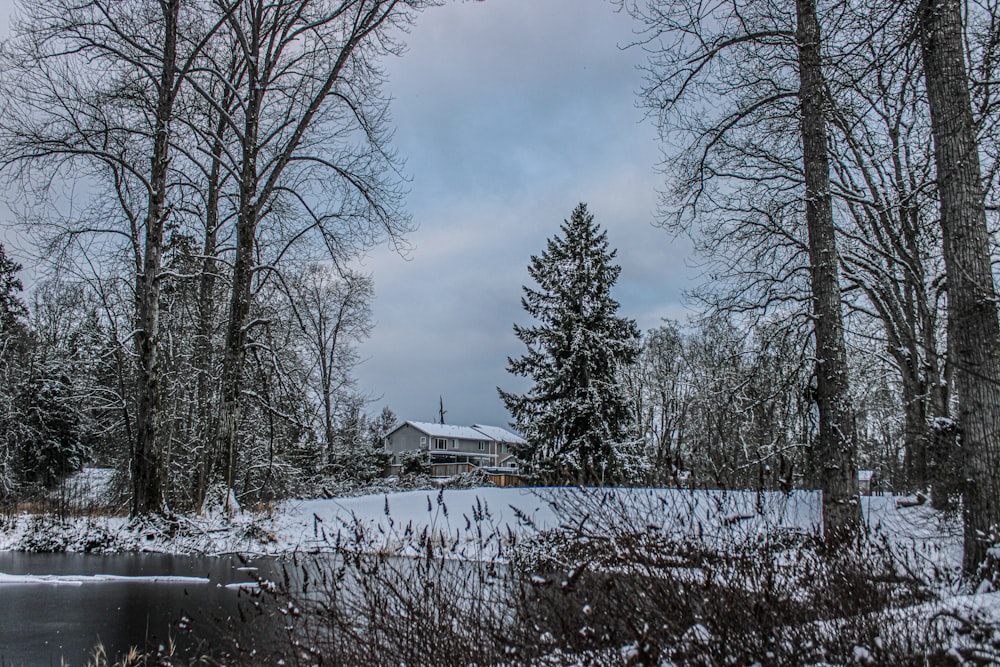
[{"x": 441, "y": 411}]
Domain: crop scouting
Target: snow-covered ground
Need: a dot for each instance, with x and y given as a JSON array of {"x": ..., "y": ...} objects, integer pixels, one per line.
[{"x": 466, "y": 519}]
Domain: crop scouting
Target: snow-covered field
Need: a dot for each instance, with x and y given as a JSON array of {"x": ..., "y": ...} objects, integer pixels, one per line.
[{"x": 467, "y": 519}]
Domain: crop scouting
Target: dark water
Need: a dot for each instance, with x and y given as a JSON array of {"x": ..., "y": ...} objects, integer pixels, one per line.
[{"x": 43, "y": 624}]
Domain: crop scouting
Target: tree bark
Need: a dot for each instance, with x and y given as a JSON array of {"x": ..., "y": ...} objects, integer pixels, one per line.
[
  {"x": 146, "y": 491},
  {"x": 239, "y": 311},
  {"x": 206, "y": 314},
  {"x": 915, "y": 431},
  {"x": 227, "y": 432},
  {"x": 973, "y": 330},
  {"x": 835, "y": 448}
]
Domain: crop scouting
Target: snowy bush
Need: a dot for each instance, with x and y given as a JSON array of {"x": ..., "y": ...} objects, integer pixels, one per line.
[
  {"x": 777, "y": 600},
  {"x": 415, "y": 463},
  {"x": 45, "y": 534},
  {"x": 344, "y": 488},
  {"x": 359, "y": 606},
  {"x": 703, "y": 579}
]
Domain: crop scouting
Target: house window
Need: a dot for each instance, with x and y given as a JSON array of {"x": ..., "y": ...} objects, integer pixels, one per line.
[
  {"x": 440, "y": 443},
  {"x": 423, "y": 441},
  {"x": 482, "y": 445},
  {"x": 503, "y": 448},
  {"x": 454, "y": 444}
]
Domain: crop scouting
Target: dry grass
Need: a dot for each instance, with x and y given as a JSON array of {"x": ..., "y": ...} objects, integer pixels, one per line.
[{"x": 631, "y": 597}]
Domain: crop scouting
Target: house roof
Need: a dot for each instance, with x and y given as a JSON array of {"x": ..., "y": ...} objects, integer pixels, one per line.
[
  {"x": 447, "y": 431},
  {"x": 474, "y": 432},
  {"x": 500, "y": 434}
]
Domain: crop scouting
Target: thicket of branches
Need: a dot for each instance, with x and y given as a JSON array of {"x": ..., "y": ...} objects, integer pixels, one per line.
[
  {"x": 724, "y": 405},
  {"x": 66, "y": 394},
  {"x": 768, "y": 109},
  {"x": 611, "y": 587},
  {"x": 198, "y": 176}
]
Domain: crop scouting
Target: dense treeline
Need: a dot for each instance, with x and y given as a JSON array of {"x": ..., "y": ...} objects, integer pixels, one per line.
[
  {"x": 67, "y": 374},
  {"x": 726, "y": 406},
  {"x": 199, "y": 174}
]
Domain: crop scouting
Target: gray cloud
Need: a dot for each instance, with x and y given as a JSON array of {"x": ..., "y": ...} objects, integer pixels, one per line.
[{"x": 509, "y": 112}]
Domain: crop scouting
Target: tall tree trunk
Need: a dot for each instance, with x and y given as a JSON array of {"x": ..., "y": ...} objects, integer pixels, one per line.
[
  {"x": 206, "y": 315},
  {"x": 915, "y": 432},
  {"x": 328, "y": 357},
  {"x": 233, "y": 362},
  {"x": 227, "y": 431},
  {"x": 973, "y": 330},
  {"x": 942, "y": 449},
  {"x": 146, "y": 492},
  {"x": 235, "y": 351},
  {"x": 836, "y": 446}
]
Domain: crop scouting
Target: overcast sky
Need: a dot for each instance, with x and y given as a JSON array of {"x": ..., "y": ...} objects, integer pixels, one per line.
[{"x": 509, "y": 113}]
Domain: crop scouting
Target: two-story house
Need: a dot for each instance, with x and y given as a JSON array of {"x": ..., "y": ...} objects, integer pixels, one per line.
[{"x": 453, "y": 449}]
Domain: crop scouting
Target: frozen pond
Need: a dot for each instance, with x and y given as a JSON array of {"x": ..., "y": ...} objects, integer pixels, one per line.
[{"x": 70, "y": 601}]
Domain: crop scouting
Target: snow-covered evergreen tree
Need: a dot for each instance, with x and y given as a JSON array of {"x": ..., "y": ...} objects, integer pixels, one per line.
[
  {"x": 576, "y": 416},
  {"x": 48, "y": 434},
  {"x": 11, "y": 373},
  {"x": 11, "y": 306}
]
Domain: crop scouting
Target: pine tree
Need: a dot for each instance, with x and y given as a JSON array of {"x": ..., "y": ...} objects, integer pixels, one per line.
[
  {"x": 11, "y": 306},
  {"x": 12, "y": 343},
  {"x": 576, "y": 417},
  {"x": 48, "y": 436}
]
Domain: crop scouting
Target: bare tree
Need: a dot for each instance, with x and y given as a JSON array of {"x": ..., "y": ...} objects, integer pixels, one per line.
[
  {"x": 765, "y": 72},
  {"x": 837, "y": 449},
  {"x": 90, "y": 78},
  {"x": 146, "y": 493},
  {"x": 973, "y": 328},
  {"x": 311, "y": 151},
  {"x": 660, "y": 397},
  {"x": 333, "y": 314},
  {"x": 208, "y": 186},
  {"x": 890, "y": 250}
]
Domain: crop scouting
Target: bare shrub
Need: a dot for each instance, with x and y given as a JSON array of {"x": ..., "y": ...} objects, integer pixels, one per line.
[
  {"x": 695, "y": 579},
  {"x": 357, "y": 604}
]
